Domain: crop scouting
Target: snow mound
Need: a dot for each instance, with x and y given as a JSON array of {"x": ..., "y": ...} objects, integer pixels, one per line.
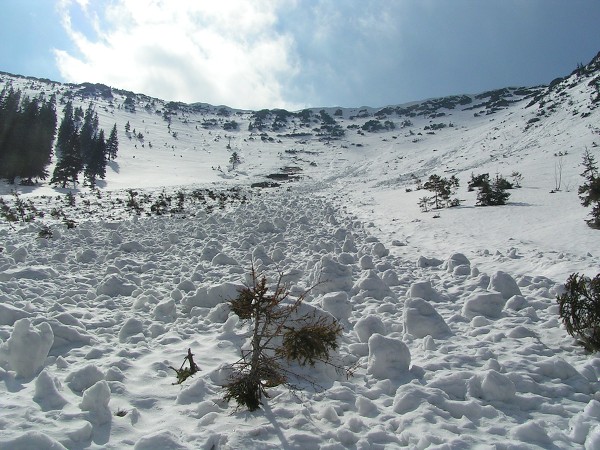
[
  {"x": 421, "y": 319},
  {"x": 27, "y": 347},
  {"x": 95, "y": 400},
  {"x": 337, "y": 304},
  {"x": 32, "y": 440},
  {"x": 424, "y": 290},
  {"x": 505, "y": 284},
  {"x": 488, "y": 304},
  {"x": 388, "y": 357}
]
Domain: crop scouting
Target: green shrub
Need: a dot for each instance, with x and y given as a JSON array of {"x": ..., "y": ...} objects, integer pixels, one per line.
[
  {"x": 279, "y": 334},
  {"x": 579, "y": 309}
]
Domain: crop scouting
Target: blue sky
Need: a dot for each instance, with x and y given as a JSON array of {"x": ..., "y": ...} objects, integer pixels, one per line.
[{"x": 298, "y": 53}]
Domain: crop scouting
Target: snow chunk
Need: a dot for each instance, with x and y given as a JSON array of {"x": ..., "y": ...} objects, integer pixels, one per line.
[
  {"x": 531, "y": 432},
  {"x": 211, "y": 296},
  {"x": 492, "y": 386},
  {"x": 95, "y": 400},
  {"x": 130, "y": 328},
  {"x": 10, "y": 314},
  {"x": 159, "y": 440},
  {"x": 365, "y": 327},
  {"x": 557, "y": 367},
  {"x": 46, "y": 392},
  {"x": 131, "y": 247},
  {"x": 115, "y": 285},
  {"x": 193, "y": 393},
  {"x": 337, "y": 304},
  {"x": 365, "y": 407},
  {"x": 374, "y": 286},
  {"x": 86, "y": 256},
  {"x": 379, "y": 250},
  {"x": 83, "y": 378},
  {"x": 27, "y": 347},
  {"x": 462, "y": 270},
  {"x": 366, "y": 262},
  {"x": 71, "y": 335},
  {"x": 428, "y": 262},
  {"x": 593, "y": 440},
  {"x": 583, "y": 422},
  {"x": 28, "y": 273},
  {"x": 455, "y": 260},
  {"x": 221, "y": 259},
  {"x": 165, "y": 310},
  {"x": 505, "y": 284},
  {"x": 331, "y": 276},
  {"x": 20, "y": 254},
  {"x": 390, "y": 277},
  {"x": 32, "y": 440},
  {"x": 409, "y": 396},
  {"x": 388, "y": 357},
  {"x": 424, "y": 290},
  {"x": 488, "y": 304},
  {"x": 421, "y": 319},
  {"x": 516, "y": 303}
]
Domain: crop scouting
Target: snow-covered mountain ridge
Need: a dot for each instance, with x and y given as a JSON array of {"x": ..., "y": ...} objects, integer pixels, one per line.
[{"x": 91, "y": 317}]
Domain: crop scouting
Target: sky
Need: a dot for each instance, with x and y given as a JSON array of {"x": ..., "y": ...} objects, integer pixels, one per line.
[{"x": 292, "y": 54}]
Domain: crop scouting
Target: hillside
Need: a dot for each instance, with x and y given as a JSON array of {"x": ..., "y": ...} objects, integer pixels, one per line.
[{"x": 171, "y": 233}]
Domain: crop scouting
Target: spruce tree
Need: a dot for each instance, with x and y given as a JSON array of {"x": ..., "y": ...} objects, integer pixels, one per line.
[
  {"x": 443, "y": 189},
  {"x": 88, "y": 134},
  {"x": 494, "y": 193},
  {"x": 96, "y": 165},
  {"x": 589, "y": 192},
  {"x": 69, "y": 165},
  {"x": 9, "y": 118},
  {"x": 69, "y": 162},
  {"x": 112, "y": 145}
]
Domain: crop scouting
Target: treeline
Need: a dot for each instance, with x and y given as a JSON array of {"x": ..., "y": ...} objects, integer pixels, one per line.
[
  {"x": 27, "y": 130},
  {"x": 81, "y": 146}
]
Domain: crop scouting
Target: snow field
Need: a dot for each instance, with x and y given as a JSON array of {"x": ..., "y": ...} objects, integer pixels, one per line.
[{"x": 444, "y": 356}]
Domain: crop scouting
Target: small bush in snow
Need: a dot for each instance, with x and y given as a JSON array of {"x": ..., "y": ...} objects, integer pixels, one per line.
[
  {"x": 517, "y": 178},
  {"x": 280, "y": 331},
  {"x": 579, "y": 309},
  {"x": 183, "y": 373}
]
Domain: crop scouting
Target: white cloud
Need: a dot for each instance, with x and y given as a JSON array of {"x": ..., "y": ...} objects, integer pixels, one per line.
[{"x": 226, "y": 52}]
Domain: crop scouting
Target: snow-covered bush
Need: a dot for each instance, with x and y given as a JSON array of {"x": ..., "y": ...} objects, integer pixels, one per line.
[{"x": 579, "y": 309}]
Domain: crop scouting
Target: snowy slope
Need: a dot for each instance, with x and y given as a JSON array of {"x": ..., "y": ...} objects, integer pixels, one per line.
[{"x": 92, "y": 318}]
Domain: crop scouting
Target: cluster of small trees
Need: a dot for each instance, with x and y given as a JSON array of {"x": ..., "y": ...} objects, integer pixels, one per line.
[
  {"x": 81, "y": 146},
  {"x": 491, "y": 192},
  {"x": 27, "y": 129}
]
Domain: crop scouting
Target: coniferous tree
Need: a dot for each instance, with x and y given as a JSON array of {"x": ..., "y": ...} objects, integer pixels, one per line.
[
  {"x": 27, "y": 128},
  {"x": 9, "y": 117},
  {"x": 69, "y": 162},
  {"x": 96, "y": 165},
  {"x": 589, "y": 192},
  {"x": 494, "y": 193},
  {"x": 442, "y": 188},
  {"x": 112, "y": 145},
  {"x": 88, "y": 134}
]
